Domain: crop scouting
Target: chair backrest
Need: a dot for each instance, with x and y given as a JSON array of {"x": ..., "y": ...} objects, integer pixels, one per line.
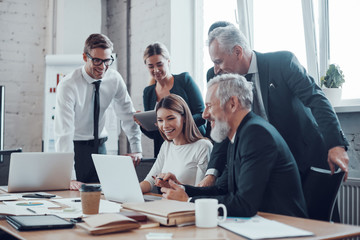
[
  {"x": 5, "y": 164},
  {"x": 320, "y": 191},
  {"x": 144, "y": 168}
]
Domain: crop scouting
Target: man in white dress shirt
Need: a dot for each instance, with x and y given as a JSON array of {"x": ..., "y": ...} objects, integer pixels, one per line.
[{"x": 80, "y": 108}]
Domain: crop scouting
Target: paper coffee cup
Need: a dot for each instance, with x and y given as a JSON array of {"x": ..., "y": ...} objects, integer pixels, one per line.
[{"x": 90, "y": 198}]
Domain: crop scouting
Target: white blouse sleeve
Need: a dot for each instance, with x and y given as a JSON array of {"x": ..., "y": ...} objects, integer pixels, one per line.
[
  {"x": 203, "y": 160},
  {"x": 158, "y": 165}
]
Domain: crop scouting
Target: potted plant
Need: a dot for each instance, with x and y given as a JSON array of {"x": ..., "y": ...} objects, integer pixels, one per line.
[
  {"x": 332, "y": 82},
  {"x": 334, "y": 77}
]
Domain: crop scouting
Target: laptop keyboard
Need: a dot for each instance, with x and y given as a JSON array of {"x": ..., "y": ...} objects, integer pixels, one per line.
[{"x": 149, "y": 198}]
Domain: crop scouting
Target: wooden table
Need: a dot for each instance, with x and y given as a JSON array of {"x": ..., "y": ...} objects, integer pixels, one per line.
[{"x": 322, "y": 230}]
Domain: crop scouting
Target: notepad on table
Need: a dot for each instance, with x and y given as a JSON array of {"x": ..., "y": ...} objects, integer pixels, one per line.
[{"x": 260, "y": 228}]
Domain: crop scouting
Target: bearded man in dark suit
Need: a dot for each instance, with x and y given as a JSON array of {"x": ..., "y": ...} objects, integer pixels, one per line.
[
  {"x": 261, "y": 173},
  {"x": 284, "y": 95}
]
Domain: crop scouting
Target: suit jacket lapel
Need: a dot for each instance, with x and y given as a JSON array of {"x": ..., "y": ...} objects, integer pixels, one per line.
[
  {"x": 264, "y": 77},
  {"x": 232, "y": 150},
  {"x": 231, "y": 155}
]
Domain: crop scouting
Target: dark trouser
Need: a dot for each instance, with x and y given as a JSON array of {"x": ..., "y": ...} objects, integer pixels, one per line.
[{"x": 84, "y": 165}]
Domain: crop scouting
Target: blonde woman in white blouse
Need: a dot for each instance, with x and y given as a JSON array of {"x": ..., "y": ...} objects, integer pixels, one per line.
[{"x": 185, "y": 152}]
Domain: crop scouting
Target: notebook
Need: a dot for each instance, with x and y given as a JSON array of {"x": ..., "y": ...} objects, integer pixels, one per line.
[
  {"x": 118, "y": 179},
  {"x": 37, "y": 171}
]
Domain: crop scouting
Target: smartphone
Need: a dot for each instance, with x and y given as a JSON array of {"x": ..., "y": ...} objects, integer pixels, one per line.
[{"x": 38, "y": 195}]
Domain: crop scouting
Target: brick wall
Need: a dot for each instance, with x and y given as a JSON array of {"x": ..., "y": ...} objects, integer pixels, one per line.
[
  {"x": 22, "y": 50},
  {"x": 350, "y": 124},
  {"x": 149, "y": 22}
]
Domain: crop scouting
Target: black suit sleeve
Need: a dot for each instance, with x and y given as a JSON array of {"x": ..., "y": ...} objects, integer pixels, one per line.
[
  {"x": 254, "y": 160},
  {"x": 195, "y": 100},
  {"x": 305, "y": 88},
  {"x": 204, "y": 192}
]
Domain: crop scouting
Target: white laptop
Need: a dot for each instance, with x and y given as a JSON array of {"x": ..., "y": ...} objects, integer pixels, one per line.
[
  {"x": 118, "y": 178},
  {"x": 35, "y": 171}
]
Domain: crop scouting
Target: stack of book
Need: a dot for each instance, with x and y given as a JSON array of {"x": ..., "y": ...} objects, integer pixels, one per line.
[
  {"x": 166, "y": 212},
  {"x": 108, "y": 223}
]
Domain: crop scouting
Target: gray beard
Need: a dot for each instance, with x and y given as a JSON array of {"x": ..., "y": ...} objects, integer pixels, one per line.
[{"x": 220, "y": 131}]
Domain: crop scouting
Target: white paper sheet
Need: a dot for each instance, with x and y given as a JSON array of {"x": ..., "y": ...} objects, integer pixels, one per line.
[
  {"x": 63, "y": 213},
  {"x": 105, "y": 205},
  {"x": 22, "y": 207},
  {"x": 8, "y": 197},
  {"x": 32, "y": 203},
  {"x": 10, "y": 210},
  {"x": 74, "y": 209},
  {"x": 260, "y": 228}
]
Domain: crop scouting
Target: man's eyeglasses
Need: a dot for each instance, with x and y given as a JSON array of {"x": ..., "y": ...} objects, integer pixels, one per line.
[{"x": 98, "y": 61}]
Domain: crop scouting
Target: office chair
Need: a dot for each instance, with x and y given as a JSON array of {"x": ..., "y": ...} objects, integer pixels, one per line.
[
  {"x": 5, "y": 164},
  {"x": 320, "y": 192},
  {"x": 144, "y": 168}
]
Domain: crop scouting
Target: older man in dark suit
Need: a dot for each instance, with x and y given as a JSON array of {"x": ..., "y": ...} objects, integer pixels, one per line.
[
  {"x": 261, "y": 173},
  {"x": 284, "y": 95}
]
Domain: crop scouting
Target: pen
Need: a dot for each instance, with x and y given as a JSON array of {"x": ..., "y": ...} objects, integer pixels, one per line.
[
  {"x": 30, "y": 210},
  {"x": 76, "y": 220},
  {"x": 76, "y": 200},
  {"x": 38, "y": 195},
  {"x": 160, "y": 178}
]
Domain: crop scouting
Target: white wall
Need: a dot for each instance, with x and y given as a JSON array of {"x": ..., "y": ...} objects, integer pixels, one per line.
[
  {"x": 185, "y": 28},
  {"x": 74, "y": 21}
]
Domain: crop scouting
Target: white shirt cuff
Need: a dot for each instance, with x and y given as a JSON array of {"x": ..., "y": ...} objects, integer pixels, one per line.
[
  {"x": 136, "y": 148},
  {"x": 212, "y": 171},
  {"x": 73, "y": 174}
]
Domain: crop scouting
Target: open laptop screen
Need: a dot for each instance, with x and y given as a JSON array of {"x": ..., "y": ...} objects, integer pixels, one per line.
[{"x": 35, "y": 171}]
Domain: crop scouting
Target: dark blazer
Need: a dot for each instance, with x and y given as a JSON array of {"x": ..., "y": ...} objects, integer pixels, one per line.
[
  {"x": 298, "y": 109},
  {"x": 185, "y": 87},
  {"x": 262, "y": 174}
]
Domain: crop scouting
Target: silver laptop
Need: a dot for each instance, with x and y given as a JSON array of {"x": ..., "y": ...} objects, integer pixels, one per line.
[
  {"x": 35, "y": 171},
  {"x": 118, "y": 178}
]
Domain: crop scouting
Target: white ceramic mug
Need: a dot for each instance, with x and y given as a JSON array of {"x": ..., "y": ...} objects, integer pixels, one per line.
[{"x": 206, "y": 212}]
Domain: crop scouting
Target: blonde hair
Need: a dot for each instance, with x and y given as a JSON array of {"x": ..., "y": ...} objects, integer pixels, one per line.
[
  {"x": 156, "y": 48},
  {"x": 176, "y": 103}
]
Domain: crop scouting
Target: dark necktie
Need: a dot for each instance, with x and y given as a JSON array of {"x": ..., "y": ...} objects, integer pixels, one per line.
[
  {"x": 231, "y": 157},
  {"x": 249, "y": 77},
  {"x": 96, "y": 114},
  {"x": 255, "y": 104}
]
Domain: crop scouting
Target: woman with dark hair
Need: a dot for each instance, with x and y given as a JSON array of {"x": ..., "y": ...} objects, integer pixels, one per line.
[
  {"x": 157, "y": 59},
  {"x": 185, "y": 152}
]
